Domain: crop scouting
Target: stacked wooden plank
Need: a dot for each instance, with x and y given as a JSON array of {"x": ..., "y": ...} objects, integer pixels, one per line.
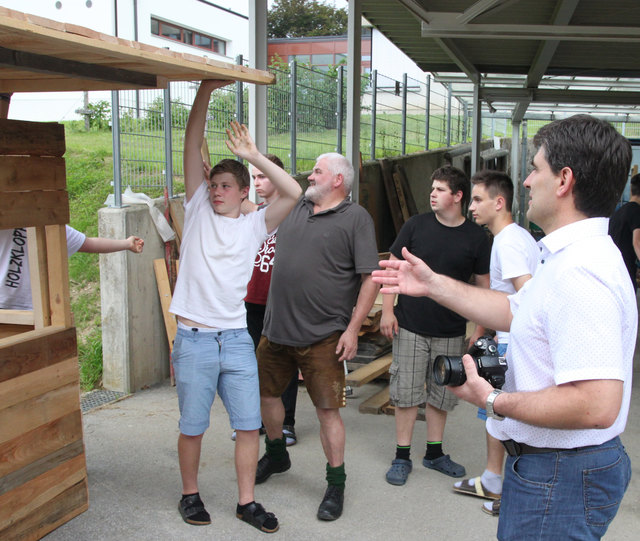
[
  {"x": 43, "y": 477},
  {"x": 396, "y": 184}
]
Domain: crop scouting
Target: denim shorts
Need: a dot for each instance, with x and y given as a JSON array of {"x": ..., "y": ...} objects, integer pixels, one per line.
[
  {"x": 208, "y": 361},
  {"x": 572, "y": 494},
  {"x": 502, "y": 351}
]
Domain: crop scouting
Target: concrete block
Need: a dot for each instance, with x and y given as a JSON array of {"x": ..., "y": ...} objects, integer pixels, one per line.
[{"x": 134, "y": 344}]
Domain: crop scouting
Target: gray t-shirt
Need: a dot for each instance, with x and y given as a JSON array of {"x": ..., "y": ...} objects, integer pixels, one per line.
[{"x": 316, "y": 274}]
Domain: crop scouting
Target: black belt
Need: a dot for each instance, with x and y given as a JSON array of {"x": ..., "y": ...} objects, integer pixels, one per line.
[{"x": 515, "y": 448}]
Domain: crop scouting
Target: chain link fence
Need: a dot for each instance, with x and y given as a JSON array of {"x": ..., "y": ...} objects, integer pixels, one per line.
[{"x": 306, "y": 116}]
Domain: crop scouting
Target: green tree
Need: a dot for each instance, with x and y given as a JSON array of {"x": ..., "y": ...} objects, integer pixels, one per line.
[{"x": 303, "y": 18}]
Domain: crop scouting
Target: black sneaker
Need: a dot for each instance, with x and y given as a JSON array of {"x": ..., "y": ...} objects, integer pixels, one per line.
[
  {"x": 192, "y": 510},
  {"x": 331, "y": 505},
  {"x": 267, "y": 467}
]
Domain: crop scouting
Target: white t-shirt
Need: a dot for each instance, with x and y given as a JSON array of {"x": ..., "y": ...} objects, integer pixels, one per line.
[
  {"x": 575, "y": 320},
  {"x": 514, "y": 253},
  {"x": 216, "y": 262},
  {"x": 15, "y": 288}
]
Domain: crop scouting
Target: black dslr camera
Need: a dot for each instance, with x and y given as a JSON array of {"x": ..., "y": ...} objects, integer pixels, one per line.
[{"x": 450, "y": 370}]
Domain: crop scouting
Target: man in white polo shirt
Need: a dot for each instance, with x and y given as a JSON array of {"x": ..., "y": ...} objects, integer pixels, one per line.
[{"x": 572, "y": 338}]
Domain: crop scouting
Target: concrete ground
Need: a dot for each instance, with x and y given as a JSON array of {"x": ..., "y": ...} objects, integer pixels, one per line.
[{"x": 134, "y": 484}]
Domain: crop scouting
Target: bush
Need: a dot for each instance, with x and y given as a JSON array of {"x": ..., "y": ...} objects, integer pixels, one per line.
[
  {"x": 155, "y": 114},
  {"x": 99, "y": 115}
]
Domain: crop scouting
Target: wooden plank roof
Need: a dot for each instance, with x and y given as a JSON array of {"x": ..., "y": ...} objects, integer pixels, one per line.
[{"x": 38, "y": 54}]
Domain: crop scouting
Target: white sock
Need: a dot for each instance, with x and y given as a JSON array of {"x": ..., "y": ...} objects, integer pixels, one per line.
[{"x": 491, "y": 481}]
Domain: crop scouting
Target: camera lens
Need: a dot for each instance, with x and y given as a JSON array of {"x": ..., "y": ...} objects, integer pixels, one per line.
[
  {"x": 441, "y": 370},
  {"x": 449, "y": 371}
]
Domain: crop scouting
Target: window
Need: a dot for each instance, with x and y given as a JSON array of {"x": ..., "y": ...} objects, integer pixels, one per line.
[
  {"x": 184, "y": 35},
  {"x": 300, "y": 58},
  {"x": 322, "y": 59}
]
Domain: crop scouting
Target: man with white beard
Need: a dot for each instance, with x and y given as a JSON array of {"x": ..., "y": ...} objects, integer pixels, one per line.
[{"x": 321, "y": 292}]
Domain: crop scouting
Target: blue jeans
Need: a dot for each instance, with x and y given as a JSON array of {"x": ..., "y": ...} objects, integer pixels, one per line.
[
  {"x": 572, "y": 494},
  {"x": 222, "y": 361}
]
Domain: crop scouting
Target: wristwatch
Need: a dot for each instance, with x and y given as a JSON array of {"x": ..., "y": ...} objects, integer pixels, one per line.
[{"x": 489, "y": 406}]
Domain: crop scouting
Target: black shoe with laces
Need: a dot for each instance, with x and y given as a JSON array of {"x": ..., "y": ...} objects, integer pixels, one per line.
[
  {"x": 331, "y": 505},
  {"x": 267, "y": 467}
]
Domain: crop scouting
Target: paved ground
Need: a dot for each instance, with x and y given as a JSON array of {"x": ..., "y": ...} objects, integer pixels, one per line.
[{"x": 134, "y": 483}]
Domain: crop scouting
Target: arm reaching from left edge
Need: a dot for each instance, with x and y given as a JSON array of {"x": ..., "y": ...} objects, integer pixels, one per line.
[
  {"x": 289, "y": 191},
  {"x": 100, "y": 245},
  {"x": 348, "y": 344},
  {"x": 414, "y": 277}
]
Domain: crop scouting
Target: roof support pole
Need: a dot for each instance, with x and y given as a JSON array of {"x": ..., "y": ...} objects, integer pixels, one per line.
[
  {"x": 258, "y": 60},
  {"x": 515, "y": 167},
  {"x": 476, "y": 128},
  {"x": 353, "y": 90}
]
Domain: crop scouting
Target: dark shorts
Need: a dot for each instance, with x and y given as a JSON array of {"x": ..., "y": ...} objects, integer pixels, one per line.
[{"x": 323, "y": 374}]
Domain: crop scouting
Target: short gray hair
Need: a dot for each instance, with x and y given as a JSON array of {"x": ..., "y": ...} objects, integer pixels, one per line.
[{"x": 339, "y": 165}]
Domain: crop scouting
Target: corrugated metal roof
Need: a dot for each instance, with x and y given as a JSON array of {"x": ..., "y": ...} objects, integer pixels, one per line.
[{"x": 536, "y": 40}]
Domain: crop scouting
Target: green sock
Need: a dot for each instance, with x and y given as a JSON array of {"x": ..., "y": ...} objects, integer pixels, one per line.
[
  {"x": 276, "y": 449},
  {"x": 336, "y": 476}
]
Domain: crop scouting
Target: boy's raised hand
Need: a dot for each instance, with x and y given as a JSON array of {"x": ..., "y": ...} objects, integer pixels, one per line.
[{"x": 239, "y": 141}]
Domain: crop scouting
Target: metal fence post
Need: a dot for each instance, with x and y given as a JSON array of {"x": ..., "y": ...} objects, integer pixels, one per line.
[
  {"x": 427, "y": 106},
  {"x": 239, "y": 95},
  {"x": 523, "y": 172},
  {"x": 293, "y": 114},
  {"x": 448, "y": 115},
  {"x": 168, "y": 146},
  {"x": 465, "y": 122},
  {"x": 339, "y": 110},
  {"x": 374, "y": 99},
  {"x": 403, "y": 140},
  {"x": 115, "y": 135}
]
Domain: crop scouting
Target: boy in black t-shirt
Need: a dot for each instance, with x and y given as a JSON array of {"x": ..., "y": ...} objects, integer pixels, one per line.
[{"x": 421, "y": 329}]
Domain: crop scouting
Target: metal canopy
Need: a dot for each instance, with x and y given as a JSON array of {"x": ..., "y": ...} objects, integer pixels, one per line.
[{"x": 530, "y": 57}]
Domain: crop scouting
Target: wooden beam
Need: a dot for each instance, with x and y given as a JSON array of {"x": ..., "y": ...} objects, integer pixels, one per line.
[
  {"x": 19, "y": 137},
  {"x": 48, "y": 64},
  {"x": 25, "y": 500},
  {"x": 34, "y": 208},
  {"x": 16, "y": 317},
  {"x": 39, "y": 382},
  {"x": 33, "y": 350},
  {"x": 176, "y": 210},
  {"x": 58, "y": 270},
  {"x": 46, "y": 518},
  {"x": 37, "y": 246},
  {"x": 369, "y": 371},
  {"x": 23, "y": 173},
  {"x": 31, "y": 34},
  {"x": 375, "y": 403}
]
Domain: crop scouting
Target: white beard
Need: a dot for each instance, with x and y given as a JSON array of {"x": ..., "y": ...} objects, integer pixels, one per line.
[{"x": 316, "y": 193}]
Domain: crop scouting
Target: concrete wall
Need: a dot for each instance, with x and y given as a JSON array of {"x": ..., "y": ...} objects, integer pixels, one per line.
[{"x": 134, "y": 343}]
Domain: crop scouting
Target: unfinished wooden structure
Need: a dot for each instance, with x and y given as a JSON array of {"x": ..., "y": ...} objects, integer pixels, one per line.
[{"x": 43, "y": 474}]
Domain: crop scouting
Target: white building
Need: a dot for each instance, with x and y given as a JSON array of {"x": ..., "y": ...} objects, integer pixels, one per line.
[{"x": 218, "y": 29}]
